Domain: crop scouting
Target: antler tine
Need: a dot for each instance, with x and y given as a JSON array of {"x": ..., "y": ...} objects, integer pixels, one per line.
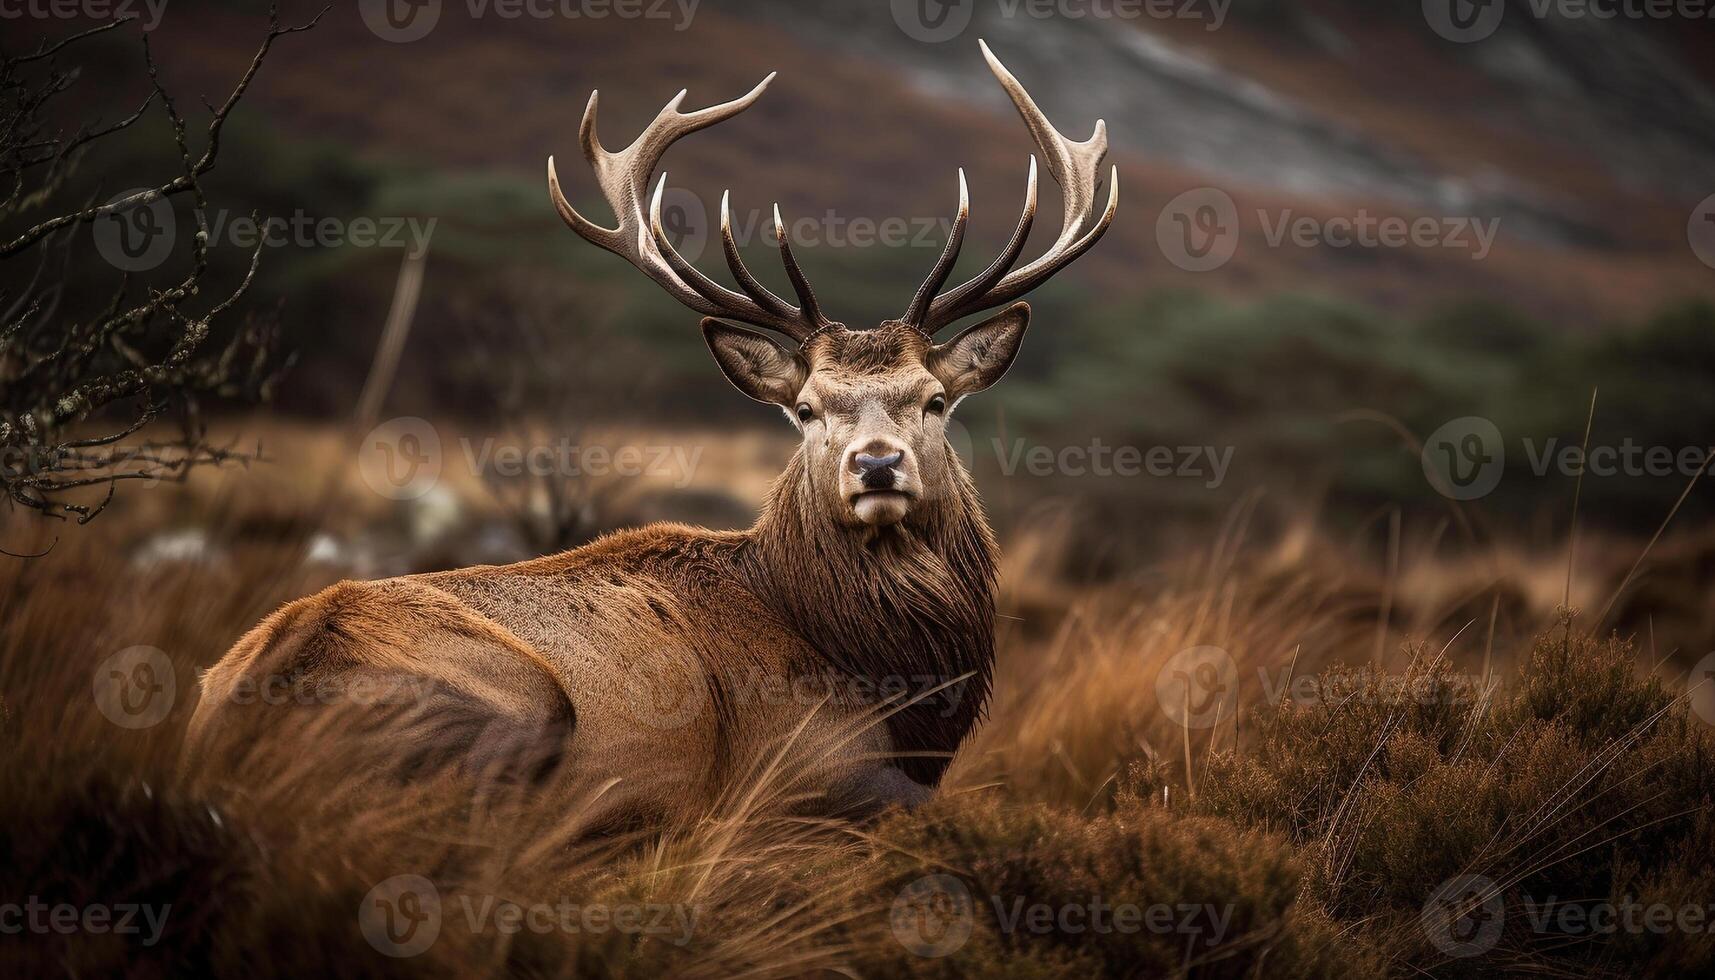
[
  {"x": 593, "y": 152},
  {"x": 740, "y": 273},
  {"x": 949, "y": 257},
  {"x": 982, "y": 281},
  {"x": 1075, "y": 166},
  {"x": 812, "y": 311},
  {"x": 624, "y": 178},
  {"x": 705, "y": 287},
  {"x": 624, "y": 175}
]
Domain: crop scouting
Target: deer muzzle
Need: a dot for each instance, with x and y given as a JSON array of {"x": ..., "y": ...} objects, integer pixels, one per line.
[{"x": 879, "y": 481}]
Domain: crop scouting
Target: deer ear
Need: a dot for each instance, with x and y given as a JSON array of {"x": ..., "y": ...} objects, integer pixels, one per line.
[
  {"x": 979, "y": 356},
  {"x": 756, "y": 365}
]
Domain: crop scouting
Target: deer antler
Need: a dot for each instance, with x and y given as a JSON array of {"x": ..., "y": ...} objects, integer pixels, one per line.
[
  {"x": 640, "y": 239},
  {"x": 1074, "y": 166}
]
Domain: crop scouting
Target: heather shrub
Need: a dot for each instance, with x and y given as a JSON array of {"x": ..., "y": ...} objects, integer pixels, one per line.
[{"x": 1575, "y": 787}]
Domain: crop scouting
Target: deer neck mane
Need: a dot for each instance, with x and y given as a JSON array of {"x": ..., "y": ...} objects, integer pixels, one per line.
[{"x": 910, "y": 605}]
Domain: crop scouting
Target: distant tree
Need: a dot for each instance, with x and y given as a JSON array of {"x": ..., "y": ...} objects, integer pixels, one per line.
[{"x": 91, "y": 401}]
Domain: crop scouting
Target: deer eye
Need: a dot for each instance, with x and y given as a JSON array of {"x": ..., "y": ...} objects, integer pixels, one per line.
[
  {"x": 805, "y": 413},
  {"x": 937, "y": 405}
]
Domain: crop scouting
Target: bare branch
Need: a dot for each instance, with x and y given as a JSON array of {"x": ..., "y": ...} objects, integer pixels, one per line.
[
  {"x": 183, "y": 182},
  {"x": 134, "y": 362}
]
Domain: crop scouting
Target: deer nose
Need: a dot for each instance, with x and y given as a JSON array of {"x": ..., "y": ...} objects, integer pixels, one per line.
[
  {"x": 866, "y": 462},
  {"x": 875, "y": 469}
]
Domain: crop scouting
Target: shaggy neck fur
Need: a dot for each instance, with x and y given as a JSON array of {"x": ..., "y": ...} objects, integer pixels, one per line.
[{"x": 911, "y": 604}]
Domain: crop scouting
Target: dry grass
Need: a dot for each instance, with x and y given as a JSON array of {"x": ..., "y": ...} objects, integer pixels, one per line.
[{"x": 1300, "y": 831}]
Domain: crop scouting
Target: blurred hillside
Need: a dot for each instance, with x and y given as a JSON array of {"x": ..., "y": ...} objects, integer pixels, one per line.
[{"x": 1589, "y": 142}]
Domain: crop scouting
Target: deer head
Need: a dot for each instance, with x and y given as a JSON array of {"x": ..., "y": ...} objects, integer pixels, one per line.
[{"x": 871, "y": 403}]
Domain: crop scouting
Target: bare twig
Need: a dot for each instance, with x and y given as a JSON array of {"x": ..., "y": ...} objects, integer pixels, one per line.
[{"x": 136, "y": 361}]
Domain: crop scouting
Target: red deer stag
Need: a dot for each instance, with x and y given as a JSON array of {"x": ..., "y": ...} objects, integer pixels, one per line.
[{"x": 871, "y": 564}]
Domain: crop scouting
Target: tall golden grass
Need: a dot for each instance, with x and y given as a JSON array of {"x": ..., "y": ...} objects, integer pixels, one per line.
[{"x": 1381, "y": 729}]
